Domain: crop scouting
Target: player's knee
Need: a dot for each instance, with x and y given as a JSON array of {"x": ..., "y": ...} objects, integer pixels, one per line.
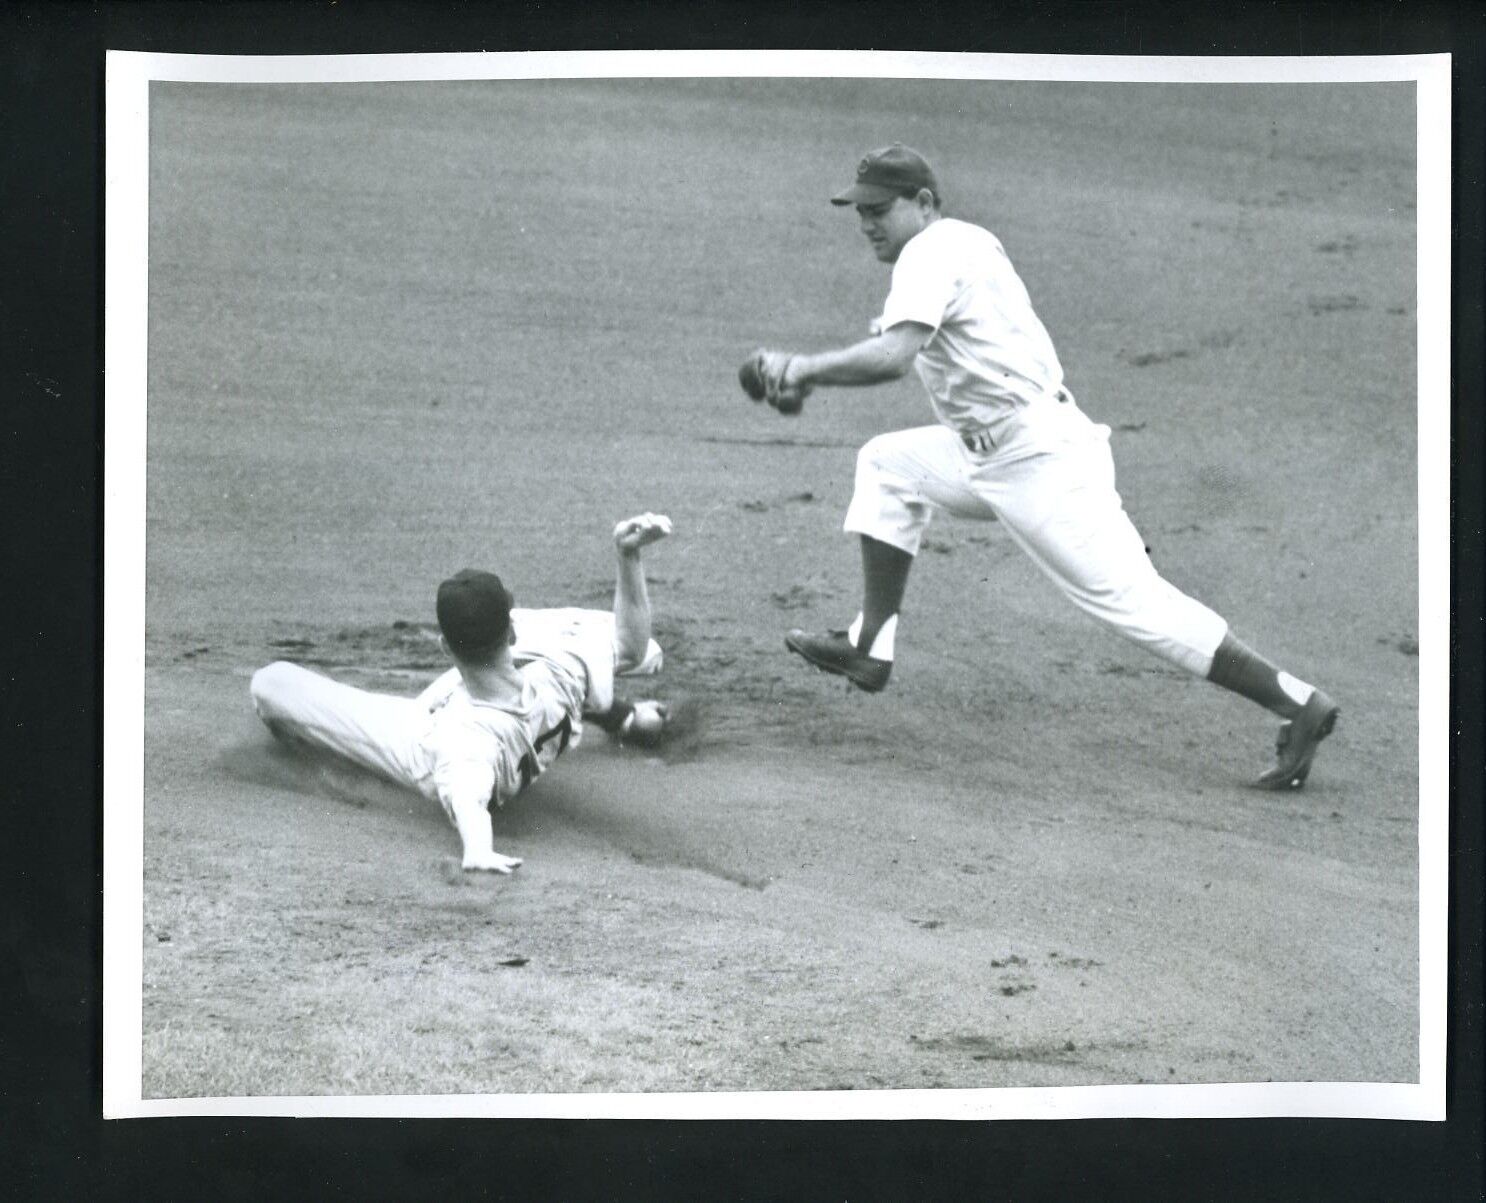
[
  {"x": 877, "y": 473},
  {"x": 1115, "y": 604},
  {"x": 874, "y": 453},
  {"x": 269, "y": 685}
]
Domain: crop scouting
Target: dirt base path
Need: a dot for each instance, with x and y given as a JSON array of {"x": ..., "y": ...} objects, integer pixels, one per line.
[{"x": 1033, "y": 861}]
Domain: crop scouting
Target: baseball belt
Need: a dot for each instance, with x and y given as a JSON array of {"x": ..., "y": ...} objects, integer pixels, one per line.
[{"x": 980, "y": 441}]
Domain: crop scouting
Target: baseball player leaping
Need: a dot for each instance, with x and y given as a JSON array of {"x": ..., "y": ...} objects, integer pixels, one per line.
[
  {"x": 522, "y": 684},
  {"x": 1010, "y": 444}
]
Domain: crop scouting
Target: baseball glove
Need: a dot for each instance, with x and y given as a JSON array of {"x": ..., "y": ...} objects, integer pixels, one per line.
[{"x": 763, "y": 378}]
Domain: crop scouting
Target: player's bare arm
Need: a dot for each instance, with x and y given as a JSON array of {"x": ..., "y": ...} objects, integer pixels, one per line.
[
  {"x": 631, "y": 596},
  {"x": 784, "y": 379},
  {"x": 643, "y": 721},
  {"x": 466, "y": 797},
  {"x": 876, "y": 360}
]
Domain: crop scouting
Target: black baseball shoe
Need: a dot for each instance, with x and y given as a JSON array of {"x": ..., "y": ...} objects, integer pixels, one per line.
[
  {"x": 834, "y": 653},
  {"x": 1296, "y": 746}
]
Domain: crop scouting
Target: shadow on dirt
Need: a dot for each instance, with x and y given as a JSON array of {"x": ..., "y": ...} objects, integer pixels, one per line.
[
  {"x": 655, "y": 845},
  {"x": 309, "y": 772},
  {"x": 303, "y": 770}
]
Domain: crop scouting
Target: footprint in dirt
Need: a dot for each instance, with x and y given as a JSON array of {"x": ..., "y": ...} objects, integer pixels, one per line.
[
  {"x": 994, "y": 1048},
  {"x": 758, "y": 507},
  {"x": 676, "y": 859},
  {"x": 1146, "y": 359},
  {"x": 1406, "y": 644},
  {"x": 1344, "y": 303},
  {"x": 400, "y": 645},
  {"x": 796, "y": 597},
  {"x": 1065, "y": 962}
]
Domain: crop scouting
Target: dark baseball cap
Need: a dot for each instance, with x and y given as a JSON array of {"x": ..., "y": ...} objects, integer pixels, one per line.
[
  {"x": 474, "y": 611},
  {"x": 883, "y": 174}
]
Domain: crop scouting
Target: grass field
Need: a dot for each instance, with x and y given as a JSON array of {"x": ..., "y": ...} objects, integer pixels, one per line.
[{"x": 395, "y": 329}]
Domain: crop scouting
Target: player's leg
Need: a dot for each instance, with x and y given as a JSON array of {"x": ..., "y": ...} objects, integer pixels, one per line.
[
  {"x": 885, "y": 570},
  {"x": 376, "y": 731},
  {"x": 1309, "y": 713},
  {"x": 1066, "y": 513},
  {"x": 901, "y": 479},
  {"x": 1062, "y": 509},
  {"x": 1238, "y": 667}
]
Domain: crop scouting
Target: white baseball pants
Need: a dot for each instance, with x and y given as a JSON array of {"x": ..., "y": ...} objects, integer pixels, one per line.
[
  {"x": 388, "y": 734},
  {"x": 375, "y": 730},
  {"x": 1053, "y": 488}
]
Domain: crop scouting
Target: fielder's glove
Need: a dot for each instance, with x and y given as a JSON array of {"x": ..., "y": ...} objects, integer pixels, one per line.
[{"x": 764, "y": 377}]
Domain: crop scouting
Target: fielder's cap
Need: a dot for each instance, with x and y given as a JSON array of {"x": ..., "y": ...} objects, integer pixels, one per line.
[
  {"x": 474, "y": 611},
  {"x": 883, "y": 174}
]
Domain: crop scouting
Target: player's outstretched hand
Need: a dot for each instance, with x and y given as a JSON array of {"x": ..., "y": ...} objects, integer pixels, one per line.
[
  {"x": 492, "y": 862},
  {"x": 635, "y": 533},
  {"x": 647, "y": 723},
  {"x": 765, "y": 376}
]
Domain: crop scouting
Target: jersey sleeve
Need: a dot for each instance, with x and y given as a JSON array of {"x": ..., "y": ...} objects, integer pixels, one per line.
[
  {"x": 438, "y": 693},
  {"x": 925, "y": 280},
  {"x": 466, "y": 791},
  {"x": 577, "y": 642},
  {"x": 463, "y": 780}
]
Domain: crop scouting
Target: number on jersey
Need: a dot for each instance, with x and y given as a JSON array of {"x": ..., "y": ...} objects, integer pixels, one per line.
[{"x": 531, "y": 767}]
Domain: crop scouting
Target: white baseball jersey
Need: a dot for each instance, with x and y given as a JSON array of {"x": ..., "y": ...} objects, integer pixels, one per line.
[
  {"x": 1012, "y": 445},
  {"x": 490, "y": 752},
  {"x": 447, "y": 744},
  {"x": 990, "y": 357}
]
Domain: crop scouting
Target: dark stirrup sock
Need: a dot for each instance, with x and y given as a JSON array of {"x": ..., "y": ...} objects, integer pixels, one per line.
[
  {"x": 1239, "y": 667},
  {"x": 885, "y": 571}
]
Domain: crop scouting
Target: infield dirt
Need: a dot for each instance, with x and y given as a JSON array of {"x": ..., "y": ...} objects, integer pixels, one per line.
[{"x": 399, "y": 329}]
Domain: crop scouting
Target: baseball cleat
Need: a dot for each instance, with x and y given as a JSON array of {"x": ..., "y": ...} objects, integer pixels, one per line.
[
  {"x": 1296, "y": 746},
  {"x": 833, "y": 653}
]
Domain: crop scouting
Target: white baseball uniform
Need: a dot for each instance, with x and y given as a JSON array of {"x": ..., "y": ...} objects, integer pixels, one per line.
[
  {"x": 1012, "y": 445},
  {"x": 446, "y": 744}
]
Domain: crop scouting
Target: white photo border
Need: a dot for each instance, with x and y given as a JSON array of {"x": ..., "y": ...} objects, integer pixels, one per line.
[{"x": 126, "y": 264}]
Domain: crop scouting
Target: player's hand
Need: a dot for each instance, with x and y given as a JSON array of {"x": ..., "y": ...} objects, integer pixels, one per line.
[
  {"x": 646, "y": 724},
  {"x": 640, "y": 531},
  {"x": 492, "y": 862},
  {"x": 773, "y": 376}
]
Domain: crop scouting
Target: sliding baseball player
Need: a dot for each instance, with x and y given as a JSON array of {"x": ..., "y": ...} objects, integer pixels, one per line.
[{"x": 522, "y": 685}]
